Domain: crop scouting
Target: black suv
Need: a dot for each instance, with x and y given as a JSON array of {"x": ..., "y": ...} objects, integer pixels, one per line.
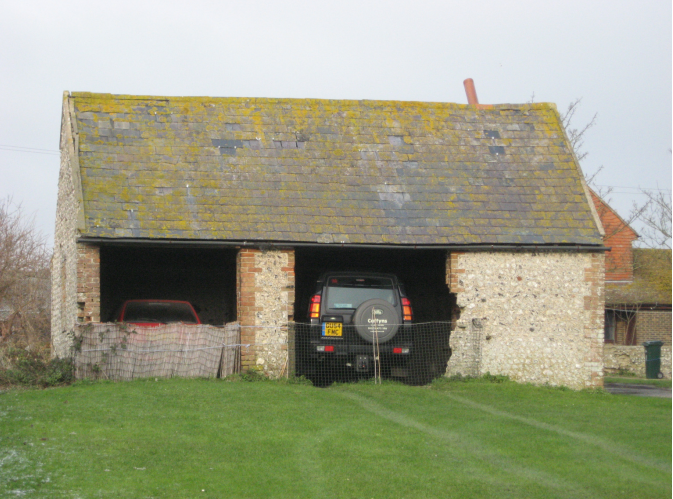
[{"x": 355, "y": 317}]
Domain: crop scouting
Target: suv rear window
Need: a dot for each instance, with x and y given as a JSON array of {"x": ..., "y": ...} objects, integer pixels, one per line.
[
  {"x": 161, "y": 312},
  {"x": 349, "y": 292}
]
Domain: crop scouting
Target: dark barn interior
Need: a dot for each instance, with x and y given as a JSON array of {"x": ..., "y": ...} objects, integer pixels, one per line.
[
  {"x": 423, "y": 273},
  {"x": 204, "y": 277}
]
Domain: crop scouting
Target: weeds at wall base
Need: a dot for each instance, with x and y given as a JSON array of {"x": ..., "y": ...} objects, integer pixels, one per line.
[
  {"x": 253, "y": 375},
  {"x": 459, "y": 378},
  {"x": 22, "y": 366},
  {"x": 31, "y": 366}
]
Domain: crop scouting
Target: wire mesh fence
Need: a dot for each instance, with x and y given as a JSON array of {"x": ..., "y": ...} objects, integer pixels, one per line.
[
  {"x": 414, "y": 353},
  {"x": 124, "y": 352}
]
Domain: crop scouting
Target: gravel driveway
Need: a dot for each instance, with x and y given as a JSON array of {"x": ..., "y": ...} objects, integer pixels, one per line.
[{"x": 640, "y": 390}]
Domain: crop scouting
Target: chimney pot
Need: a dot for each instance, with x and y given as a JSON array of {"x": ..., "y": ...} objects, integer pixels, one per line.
[{"x": 471, "y": 91}]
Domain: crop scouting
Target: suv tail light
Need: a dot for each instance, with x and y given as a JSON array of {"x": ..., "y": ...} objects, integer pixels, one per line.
[
  {"x": 406, "y": 309},
  {"x": 314, "y": 308}
]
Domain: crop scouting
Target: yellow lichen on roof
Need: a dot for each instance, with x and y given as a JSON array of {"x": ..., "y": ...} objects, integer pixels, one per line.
[{"x": 291, "y": 169}]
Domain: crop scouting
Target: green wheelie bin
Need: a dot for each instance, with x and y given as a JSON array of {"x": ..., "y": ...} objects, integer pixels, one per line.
[{"x": 653, "y": 359}]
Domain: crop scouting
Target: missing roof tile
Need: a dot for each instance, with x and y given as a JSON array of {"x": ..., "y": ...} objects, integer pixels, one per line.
[
  {"x": 227, "y": 143},
  {"x": 302, "y": 136},
  {"x": 229, "y": 147}
]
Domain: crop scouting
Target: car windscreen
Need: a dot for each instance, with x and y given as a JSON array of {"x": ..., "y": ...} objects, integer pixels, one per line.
[
  {"x": 159, "y": 312},
  {"x": 351, "y": 292}
]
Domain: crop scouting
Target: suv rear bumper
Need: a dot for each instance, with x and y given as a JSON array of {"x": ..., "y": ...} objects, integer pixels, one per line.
[
  {"x": 394, "y": 357},
  {"x": 341, "y": 350},
  {"x": 350, "y": 352}
]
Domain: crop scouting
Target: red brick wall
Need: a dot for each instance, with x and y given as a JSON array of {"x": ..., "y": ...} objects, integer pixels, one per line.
[
  {"x": 654, "y": 325},
  {"x": 453, "y": 273},
  {"x": 619, "y": 237},
  {"x": 88, "y": 283},
  {"x": 245, "y": 286},
  {"x": 594, "y": 306}
]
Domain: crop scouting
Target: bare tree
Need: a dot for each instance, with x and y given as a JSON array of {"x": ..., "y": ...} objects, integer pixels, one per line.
[
  {"x": 655, "y": 216},
  {"x": 576, "y": 135},
  {"x": 654, "y": 213},
  {"x": 24, "y": 275}
]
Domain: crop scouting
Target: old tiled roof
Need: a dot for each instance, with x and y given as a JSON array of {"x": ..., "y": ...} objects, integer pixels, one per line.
[
  {"x": 307, "y": 170},
  {"x": 651, "y": 281}
]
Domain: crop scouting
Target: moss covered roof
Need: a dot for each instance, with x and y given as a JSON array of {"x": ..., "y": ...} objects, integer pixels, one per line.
[
  {"x": 307, "y": 170},
  {"x": 651, "y": 281}
]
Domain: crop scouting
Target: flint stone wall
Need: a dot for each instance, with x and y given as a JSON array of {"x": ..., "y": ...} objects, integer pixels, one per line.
[
  {"x": 631, "y": 359},
  {"x": 64, "y": 258},
  {"x": 266, "y": 304},
  {"x": 536, "y": 318}
]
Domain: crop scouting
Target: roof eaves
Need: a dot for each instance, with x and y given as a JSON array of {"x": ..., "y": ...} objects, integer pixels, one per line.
[
  {"x": 126, "y": 241},
  {"x": 70, "y": 143},
  {"x": 585, "y": 187}
]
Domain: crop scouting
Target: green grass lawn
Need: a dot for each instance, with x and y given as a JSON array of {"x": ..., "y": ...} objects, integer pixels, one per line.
[
  {"x": 212, "y": 439},
  {"x": 664, "y": 383}
]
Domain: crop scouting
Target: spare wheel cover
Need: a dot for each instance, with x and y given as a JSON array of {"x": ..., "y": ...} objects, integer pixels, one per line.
[{"x": 376, "y": 316}]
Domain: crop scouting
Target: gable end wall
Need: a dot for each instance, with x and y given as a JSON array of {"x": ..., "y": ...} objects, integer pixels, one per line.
[
  {"x": 537, "y": 318},
  {"x": 619, "y": 237},
  {"x": 64, "y": 260}
]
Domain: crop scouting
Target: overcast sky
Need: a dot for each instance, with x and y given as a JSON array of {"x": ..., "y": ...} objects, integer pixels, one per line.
[{"x": 615, "y": 55}]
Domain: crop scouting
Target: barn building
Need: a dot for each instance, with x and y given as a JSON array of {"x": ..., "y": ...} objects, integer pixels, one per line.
[{"x": 237, "y": 204}]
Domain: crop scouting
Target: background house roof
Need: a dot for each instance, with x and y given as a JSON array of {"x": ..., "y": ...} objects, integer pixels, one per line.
[
  {"x": 619, "y": 236},
  {"x": 327, "y": 171},
  {"x": 651, "y": 281}
]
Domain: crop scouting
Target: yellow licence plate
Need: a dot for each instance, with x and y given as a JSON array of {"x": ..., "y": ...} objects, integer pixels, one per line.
[{"x": 332, "y": 329}]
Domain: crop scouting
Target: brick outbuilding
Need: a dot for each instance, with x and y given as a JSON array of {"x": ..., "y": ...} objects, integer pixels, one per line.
[
  {"x": 237, "y": 204},
  {"x": 638, "y": 284},
  {"x": 637, "y": 297}
]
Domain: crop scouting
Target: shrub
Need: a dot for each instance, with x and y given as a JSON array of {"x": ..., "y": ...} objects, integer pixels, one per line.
[{"x": 22, "y": 365}]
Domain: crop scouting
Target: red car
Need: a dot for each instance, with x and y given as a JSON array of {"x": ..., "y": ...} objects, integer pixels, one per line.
[{"x": 157, "y": 312}]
